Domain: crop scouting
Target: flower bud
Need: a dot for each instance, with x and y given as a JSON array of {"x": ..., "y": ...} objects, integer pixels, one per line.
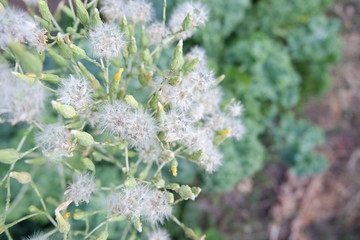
[
  {"x": 196, "y": 156},
  {"x": 52, "y": 78},
  {"x": 153, "y": 103},
  {"x": 84, "y": 138},
  {"x": 43, "y": 23},
  {"x": 124, "y": 27},
  {"x": 146, "y": 57},
  {"x": 144, "y": 77},
  {"x": 130, "y": 182},
  {"x": 175, "y": 79},
  {"x": 173, "y": 186},
  {"x": 186, "y": 193},
  {"x": 95, "y": 18},
  {"x": 81, "y": 12},
  {"x": 80, "y": 215},
  {"x": 177, "y": 60},
  {"x": 167, "y": 155},
  {"x": 159, "y": 181},
  {"x": 187, "y": 23},
  {"x": 196, "y": 191},
  {"x": 219, "y": 139},
  {"x": 160, "y": 113},
  {"x": 63, "y": 225},
  {"x": 137, "y": 223},
  {"x": 45, "y": 12},
  {"x": 78, "y": 52},
  {"x": 29, "y": 62},
  {"x": 103, "y": 235},
  {"x": 57, "y": 58},
  {"x": 131, "y": 30},
  {"x": 174, "y": 164},
  {"x": 132, "y": 46},
  {"x": 29, "y": 80},
  {"x": 227, "y": 103},
  {"x": 67, "y": 11},
  {"x": 36, "y": 161},
  {"x": 22, "y": 177},
  {"x": 169, "y": 197},
  {"x": 190, "y": 65},
  {"x": 89, "y": 164},
  {"x": 143, "y": 38},
  {"x": 63, "y": 47},
  {"x": 66, "y": 111},
  {"x": 9, "y": 155},
  {"x": 129, "y": 99}
]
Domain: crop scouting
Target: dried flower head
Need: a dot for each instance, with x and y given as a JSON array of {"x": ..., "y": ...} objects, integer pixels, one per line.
[
  {"x": 19, "y": 102},
  {"x": 37, "y": 236},
  {"x": 136, "y": 126},
  {"x": 75, "y": 91},
  {"x": 55, "y": 141},
  {"x": 202, "y": 78},
  {"x": 156, "y": 209},
  {"x": 155, "y": 32},
  {"x": 139, "y": 11},
  {"x": 107, "y": 41},
  {"x": 176, "y": 125},
  {"x": 113, "y": 9},
  {"x": 212, "y": 160},
  {"x": 81, "y": 189},
  {"x": 181, "y": 96},
  {"x": 150, "y": 152},
  {"x": 236, "y": 109},
  {"x": 16, "y": 25},
  {"x": 159, "y": 234},
  {"x": 199, "y": 12},
  {"x": 198, "y": 53}
]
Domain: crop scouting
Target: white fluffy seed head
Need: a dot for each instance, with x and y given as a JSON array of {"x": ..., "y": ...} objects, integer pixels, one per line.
[
  {"x": 150, "y": 153},
  {"x": 212, "y": 160},
  {"x": 16, "y": 25},
  {"x": 180, "y": 97},
  {"x": 158, "y": 234},
  {"x": 202, "y": 78},
  {"x": 175, "y": 125},
  {"x": 81, "y": 189},
  {"x": 156, "y": 209},
  {"x": 19, "y": 102},
  {"x": 55, "y": 141},
  {"x": 198, "y": 53},
  {"x": 200, "y": 15},
  {"x": 37, "y": 236},
  {"x": 236, "y": 127},
  {"x": 236, "y": 109},
  {"x": 113, "y": 9},
  {"x": 75, "y": 91},
  {"x": 136, "y": 126},
  {"x": 155, "y": 32},
  {"x": 139, "y": 11},
  {"x": 107, "y": 41}
]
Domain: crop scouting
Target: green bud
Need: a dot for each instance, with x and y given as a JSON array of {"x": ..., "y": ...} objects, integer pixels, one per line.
[
  {"x": 137, "y": 223},
  {"x": 31, "y": 63},
  {"x": 95, "y": 18},
  {"x": 84, "y": 138},
  {"x": 169, "y": 197},
  {"x": 78, "y": 52},
  {"x": 186, "y": 193},
  {"x": 89, "y": 164},
  {"x": 124, "y": 27},
  {"x": 75, "y": 124},
  {"x": 225, "y": 105},
  {"x": 45, "y": 12},
  {"x": 66, "y": 111},
  {"x": 220, "y": 79},
  {"x": 63, "y": 47},
  {"x": 177, "y": 60},
  {"x": 84, "y": 70},
  {"x": 132, "y": 46},
  {"x": 219, "y": 139},
  {"x": 70, "y": 30},
  {"x": 143, "y": 38},
  {"x": 98, "y": 156},
  {"x": 144, "y": 77},
  {"x": 130, "y": 182},
  {"x": 52, "y": 78},
  {"x": 173, "y": 186},
  {"x": 9, "y": 155},
  {"x": 43, "y": 22},
  {"x": 81, "y": 12},
  {"x": 153, "y": 103},
  {"x": 80, "y": 215},
  {"x": 21, "y": 177},
  {"x": 159, "y": 181},
  {"x": 196, "y": 191},
  {"x": 94, "y": 82},
  {"x": 146, "y": 57},
  {"x": 190, "y": 65},
  {"x": 196, "y": 156},
  {"x": 131, "y": 30},
  {"x": 103, "y": 235},
  {"x": 67, "y": 11},
  {"x": 129, "y": 99},
  {"x": 167, "y": 155},
  {"x": 160, "y": 113},
  {"x": 173, "y": 166},
  {"x": 57, "y": 58},
  {"x": 187, "y": 23},
  {"x": 63, "y": 225},
  {"x": 29, "y": 80},
  {"x": 175, "y": 79},
  {"x": 36, "y": 161}
]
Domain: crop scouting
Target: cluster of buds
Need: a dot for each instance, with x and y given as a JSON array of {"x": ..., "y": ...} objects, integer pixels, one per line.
[{"x": 108, "y": 80}]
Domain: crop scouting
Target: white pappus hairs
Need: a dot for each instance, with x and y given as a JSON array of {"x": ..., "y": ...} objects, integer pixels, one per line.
[
  {"x": 81, "y": 189},
  {"x": 75, "y": 91},
  {"x": 37, "y": 236},
  {"x": 107, "y": 41},
  {"x": 158, "y": 234}
]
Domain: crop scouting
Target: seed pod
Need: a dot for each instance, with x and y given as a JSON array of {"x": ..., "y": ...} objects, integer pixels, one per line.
[
  {"x": 132, "y": 46},
  {"x": 29, "y": 80},
  {"x": 45, "y": 12},
  {"x": 84, "y": 138},
  {"x": 143, "y": 38},
  {"x": 89, "y": 164},
  {"x": 66, "y": 111},
  {"x": 21, "y": 177},
  {"x": 129, "y": 99},
  {"x": 176, "y": 79},
  {"x": 52, "y": 78},
  {"x": 187, "y": 23},
  {"x": 196, "y": 191},
  {"x": 130, "y": 182},
  {"x": 169, "y": 197},
  {"x": 186, "y": 193},
  {"x": 78, "y": 52},
  {"x": 36, "y": 161},
  {"x": 30, "y": 62},
  {"x": 63, "y": 225},
  {"x": 63, "y": 47},
  {"x": 190, "y": 65},
  {"x": 177, "y": 60},
  {"x": 57, "y": 58},
  {"x": 95, "y": 18},
  {"x": 9, "y": 155},
  {"x": 146, "y": 57},
  {"x": 125, "y": 28}
]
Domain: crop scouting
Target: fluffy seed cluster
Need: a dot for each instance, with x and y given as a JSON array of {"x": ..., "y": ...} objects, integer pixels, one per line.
[
  {"x": 107, "y": 41},
  {"x": 140, "y": 201},
  {"x": 19, "y": 101},
  {"x": 159, "y": 234},
  {"x": 16, "y": 25},
  {"x": 75, "y": 91},
  {"x": 37, "y": 236},
  {"x": 134, "y": 125},
  {"x": 55, "y": 141},
  {"x": 200, "y": 16},
  {"x": 155, "y": 32},
  {"x": 137, "y": 11},
  {"x": 150, "y": 152},
  {"x": 81, "y": 189}
]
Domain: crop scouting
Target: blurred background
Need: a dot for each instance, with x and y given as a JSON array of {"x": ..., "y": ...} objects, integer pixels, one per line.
[{"x": 295, "y": 65}]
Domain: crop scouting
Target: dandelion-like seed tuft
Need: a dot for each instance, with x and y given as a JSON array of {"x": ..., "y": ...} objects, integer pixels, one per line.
[{"x": 81, "y": 189}]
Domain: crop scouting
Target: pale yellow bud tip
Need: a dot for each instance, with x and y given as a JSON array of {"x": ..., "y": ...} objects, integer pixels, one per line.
[{"x": 117, "y": 76}]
